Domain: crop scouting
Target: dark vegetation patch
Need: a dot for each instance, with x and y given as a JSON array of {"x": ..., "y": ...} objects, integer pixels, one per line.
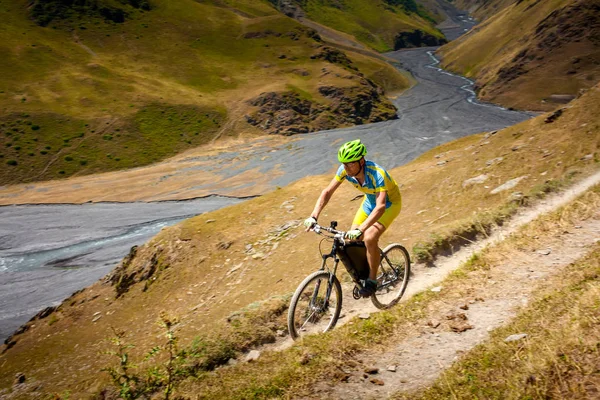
[
  {"x": 44, "y": 12},
  {"x": 334, "y": 56},
  {"x": 50, "y": 146},
  {"x": 417, "y": 38},
  {"x": 411, "y": 7}
]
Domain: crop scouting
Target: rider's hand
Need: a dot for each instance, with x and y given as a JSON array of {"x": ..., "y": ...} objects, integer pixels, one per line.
[
  {"x": 354, "y": 234},
  {"x": 309, "y": 223}
]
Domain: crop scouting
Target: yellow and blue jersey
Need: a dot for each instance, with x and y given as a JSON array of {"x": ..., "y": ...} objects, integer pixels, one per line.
[{"x": 377, "y": 180}]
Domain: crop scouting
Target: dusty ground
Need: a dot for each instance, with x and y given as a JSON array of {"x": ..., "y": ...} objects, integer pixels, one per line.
[{"x": 420, "y": 359}]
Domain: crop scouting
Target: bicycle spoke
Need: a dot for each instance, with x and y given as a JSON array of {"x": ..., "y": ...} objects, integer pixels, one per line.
[
  {"x": 393, "y": 276},
  {"x": 311, "y": 310}
]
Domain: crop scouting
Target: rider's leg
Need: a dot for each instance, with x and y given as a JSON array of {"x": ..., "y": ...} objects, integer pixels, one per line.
[{"x": 371, "y": 238}]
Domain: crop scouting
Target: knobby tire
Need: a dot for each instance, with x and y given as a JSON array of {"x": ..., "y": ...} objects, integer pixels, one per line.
[{"x": 307, "y": 313}]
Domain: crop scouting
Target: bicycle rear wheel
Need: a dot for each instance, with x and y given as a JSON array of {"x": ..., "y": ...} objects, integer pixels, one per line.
[
  {"x": 393, "y": 275},
  {"x": 316, "y": 305}
]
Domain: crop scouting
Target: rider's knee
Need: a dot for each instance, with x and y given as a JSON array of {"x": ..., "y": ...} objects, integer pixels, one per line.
[{"x": 370, "y": 239}]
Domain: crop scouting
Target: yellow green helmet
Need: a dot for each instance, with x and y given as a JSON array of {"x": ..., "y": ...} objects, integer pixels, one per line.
[{"x": 352, "y": 151}]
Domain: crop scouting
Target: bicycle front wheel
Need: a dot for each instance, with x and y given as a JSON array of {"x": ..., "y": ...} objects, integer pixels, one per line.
[
  {"x": 393, "y": 275},
  {"x": 316, "y": 305}
]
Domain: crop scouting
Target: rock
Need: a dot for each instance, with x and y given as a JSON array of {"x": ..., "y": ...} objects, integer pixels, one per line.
[
  {"x": 372, "y": 370},
  {"x": 45, "y": 312},
  {"x": 252, "y": 356},
  {"x": 544, "y": 252},
  {"x": 493, "y": 161},
  {"x": 224, "y": 245},
  {"x": 517, "y": 196},
  {"x": 288, "y": 113},
  {"x": 464, "y": 307},
  {"x": 443, "y": 162},
  {"x": 341, "y": 376},
  {"x": 376, "y": 381},
  {"x": 459, "y": 316},
  {"x": 587, "y": 157},
  {"x": 364, "y": 316},
  {"x": 96, "y": 318},
  {"x": 437, "y": 289},
  {"x": 508, "y": 185},
  {"x": 554, "y": 116},
  {"x": 19, "y": 379},
  {"x": 306, "y": 357},
  {"x": 257, "y": 256},
  {"x": 208, "y": 221},
  {"x": 514, "y": 338},
  {"x": 235, "y": 268},
  {"x": 433, "y": 323},
  {"x": 391, "y": 368},
  {"x": 460, "y": 326},
  {"x": 280, "y": 333},
  {"x": 232, "y": 361},
  {"x": 474, "y": 181}
]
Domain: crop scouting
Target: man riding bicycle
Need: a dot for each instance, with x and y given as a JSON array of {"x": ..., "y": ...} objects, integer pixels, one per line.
[{"x": 380, "y": 206}]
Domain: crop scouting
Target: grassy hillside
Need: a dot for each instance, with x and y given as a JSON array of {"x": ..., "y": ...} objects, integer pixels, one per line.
[
  {"x": 211, "y": 271},
  {"x": 103, "y": 85},
  {"x": 374, "y": 23},
  {"x": 532, "y": 54}
]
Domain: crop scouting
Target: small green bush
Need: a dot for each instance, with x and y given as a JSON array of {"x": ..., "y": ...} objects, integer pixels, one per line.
[
  {"x": 35, "y": 127},
  {"x": 12, "y": 162}
]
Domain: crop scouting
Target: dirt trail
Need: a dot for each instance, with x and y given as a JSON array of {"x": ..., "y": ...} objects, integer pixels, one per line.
[{"x": 422, "y": 357}]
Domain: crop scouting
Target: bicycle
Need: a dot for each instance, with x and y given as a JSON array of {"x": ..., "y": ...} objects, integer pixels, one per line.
[{"x": 317, "y": 302}]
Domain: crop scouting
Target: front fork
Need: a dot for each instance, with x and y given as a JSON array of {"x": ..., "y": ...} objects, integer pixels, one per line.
[{"x": 330, "y": 281}]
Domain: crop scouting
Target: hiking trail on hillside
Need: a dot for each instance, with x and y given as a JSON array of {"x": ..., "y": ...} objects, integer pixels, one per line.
[{"x": 420, "y": 359}]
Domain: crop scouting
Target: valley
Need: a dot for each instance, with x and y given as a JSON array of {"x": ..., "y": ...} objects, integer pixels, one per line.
[{"x": 500, "y": 215}]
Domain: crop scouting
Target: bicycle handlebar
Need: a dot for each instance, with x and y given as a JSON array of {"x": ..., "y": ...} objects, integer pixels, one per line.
[{"x": 317, "y": 228}]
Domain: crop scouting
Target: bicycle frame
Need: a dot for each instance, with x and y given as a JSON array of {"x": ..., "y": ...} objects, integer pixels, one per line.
[
  {"x": 338, "y": 242},
  {"x": 313, "y": 309}
]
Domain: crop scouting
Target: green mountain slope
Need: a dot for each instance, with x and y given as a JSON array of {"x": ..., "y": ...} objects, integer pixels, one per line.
[
  {"x": 378, "y": 24},
  {"x": 101, "y": 85},
  {"x": 531, "y": 54}
]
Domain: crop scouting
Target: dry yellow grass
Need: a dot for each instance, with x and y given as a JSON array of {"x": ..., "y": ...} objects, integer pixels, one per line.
[{"x": 192, "y": 280}]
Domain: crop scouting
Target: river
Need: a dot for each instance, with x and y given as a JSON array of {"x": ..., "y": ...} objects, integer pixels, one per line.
[{"x": 49, "y": 251}]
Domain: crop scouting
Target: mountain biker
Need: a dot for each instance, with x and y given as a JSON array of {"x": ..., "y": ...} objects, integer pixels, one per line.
[{"x": 381, "y": 204}]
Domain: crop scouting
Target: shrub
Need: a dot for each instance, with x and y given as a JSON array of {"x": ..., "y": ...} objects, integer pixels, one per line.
[
  {"x": 68, "y": 158},
  {"x": 12, "y": 162},
  {"x": 35, "y": 127}
]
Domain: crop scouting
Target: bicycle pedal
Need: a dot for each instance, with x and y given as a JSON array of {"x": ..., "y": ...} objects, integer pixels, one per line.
[{"x": 356, "y": 293}]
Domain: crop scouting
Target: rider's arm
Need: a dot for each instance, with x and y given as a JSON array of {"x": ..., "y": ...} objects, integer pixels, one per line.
[
  {"x": 377, "y": 212},
  {"x": 325, "y": 196}
]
